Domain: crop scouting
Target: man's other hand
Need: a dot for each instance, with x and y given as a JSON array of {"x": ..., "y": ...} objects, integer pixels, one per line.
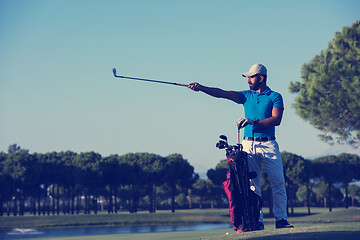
[{"x": 242, "y": 122}]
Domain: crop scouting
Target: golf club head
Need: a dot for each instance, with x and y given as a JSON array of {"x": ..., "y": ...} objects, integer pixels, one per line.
[
  {"x": 221, "y": 144},
  {"x": 114, "y": 72},
  {"x": 223, "y": 137}
]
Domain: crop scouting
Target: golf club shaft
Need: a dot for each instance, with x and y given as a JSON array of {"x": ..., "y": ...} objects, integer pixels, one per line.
[{"x": 149, "y": 80}]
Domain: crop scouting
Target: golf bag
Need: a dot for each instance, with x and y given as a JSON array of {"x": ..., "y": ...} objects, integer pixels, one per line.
[{"x": 244, "y": 204}]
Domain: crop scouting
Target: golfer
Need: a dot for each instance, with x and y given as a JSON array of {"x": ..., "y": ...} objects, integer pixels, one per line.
[{"x": 263, "y": 111}]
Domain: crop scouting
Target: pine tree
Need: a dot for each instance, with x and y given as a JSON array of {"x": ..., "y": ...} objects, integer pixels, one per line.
[{"x": 329, "y": 94}]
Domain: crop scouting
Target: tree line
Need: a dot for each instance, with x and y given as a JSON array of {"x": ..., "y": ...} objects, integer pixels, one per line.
[
  {"x": 73, "y": 183},
  {"x": 327, "y": 181}
]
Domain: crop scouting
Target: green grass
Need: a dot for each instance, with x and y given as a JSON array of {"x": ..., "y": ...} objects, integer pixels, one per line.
[
  {"x": 122, "y": 219},
  {"x": 340, "y": 224},
  {"x": 322, "y": 231}
]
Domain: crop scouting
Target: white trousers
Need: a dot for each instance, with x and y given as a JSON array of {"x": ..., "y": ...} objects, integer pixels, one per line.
[{"x": 268, "y": 152}]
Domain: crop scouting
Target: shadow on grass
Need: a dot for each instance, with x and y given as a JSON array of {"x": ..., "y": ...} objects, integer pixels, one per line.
[
  {"x": 267, "y": 215},
  {"x": 333, "y": 235}
]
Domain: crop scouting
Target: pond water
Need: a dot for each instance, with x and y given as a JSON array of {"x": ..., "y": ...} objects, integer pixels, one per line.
[{"x": 70, "y": 232}]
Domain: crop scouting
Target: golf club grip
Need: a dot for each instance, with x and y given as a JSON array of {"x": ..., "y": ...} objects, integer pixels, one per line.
[{"x": 180, "y": 84}]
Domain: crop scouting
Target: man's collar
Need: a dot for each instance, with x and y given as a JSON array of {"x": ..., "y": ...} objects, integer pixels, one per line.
[{"x": 265, "y": 92}]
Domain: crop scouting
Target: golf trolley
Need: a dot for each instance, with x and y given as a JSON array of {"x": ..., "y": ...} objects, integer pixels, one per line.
[{"x": 244, "y": 204}]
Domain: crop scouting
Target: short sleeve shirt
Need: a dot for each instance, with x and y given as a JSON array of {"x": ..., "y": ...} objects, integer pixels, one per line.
[{"x": 260, "y": 106}]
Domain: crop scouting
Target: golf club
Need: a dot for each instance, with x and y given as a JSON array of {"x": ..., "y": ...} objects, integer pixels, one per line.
[
  {"x": 148, "y": 80},
  {"x": 222, "y": 144},
  {"x": 223, "y": 137}
]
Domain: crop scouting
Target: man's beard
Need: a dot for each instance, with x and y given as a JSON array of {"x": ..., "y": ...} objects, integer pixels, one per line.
[{"x": 255, "y": 86}]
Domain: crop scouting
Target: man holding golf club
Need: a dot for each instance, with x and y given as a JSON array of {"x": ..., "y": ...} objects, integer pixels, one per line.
[{"x": 263, "y": 112}]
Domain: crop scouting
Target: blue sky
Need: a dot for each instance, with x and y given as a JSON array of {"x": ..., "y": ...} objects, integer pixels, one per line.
[{"x": 57, "y": 91}]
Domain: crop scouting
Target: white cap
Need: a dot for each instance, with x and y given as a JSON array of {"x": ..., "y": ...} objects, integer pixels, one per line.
[{"x": 256, "y": 69}]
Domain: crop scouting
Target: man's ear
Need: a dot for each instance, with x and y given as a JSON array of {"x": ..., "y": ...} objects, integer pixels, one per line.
[{"x": 261, "y": 78}]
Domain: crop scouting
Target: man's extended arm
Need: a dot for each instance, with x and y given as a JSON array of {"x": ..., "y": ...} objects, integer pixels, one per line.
[{"x": 215, "y": 92}]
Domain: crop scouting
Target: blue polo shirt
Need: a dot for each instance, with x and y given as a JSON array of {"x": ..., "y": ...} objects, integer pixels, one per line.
[{"x": 260, "y": 106}]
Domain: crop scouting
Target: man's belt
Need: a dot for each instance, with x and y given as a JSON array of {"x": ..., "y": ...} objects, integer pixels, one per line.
[{"x": 259, "y": 139}]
